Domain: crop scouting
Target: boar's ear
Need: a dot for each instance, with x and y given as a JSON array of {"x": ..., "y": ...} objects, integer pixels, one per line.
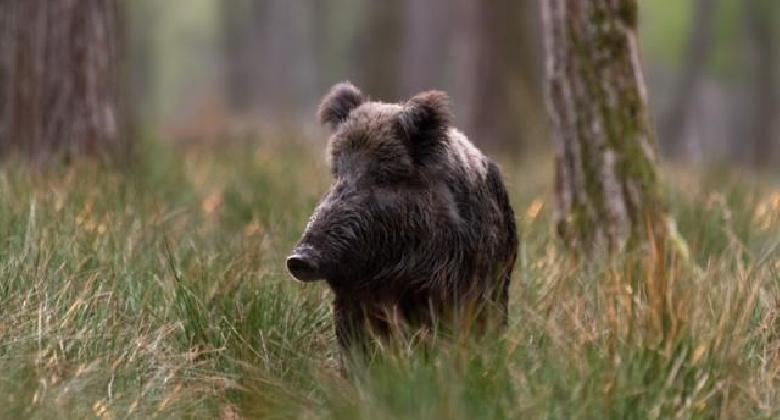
[
  {"x": 338, "y": 103},
  {"x": 424, "y": 122}
]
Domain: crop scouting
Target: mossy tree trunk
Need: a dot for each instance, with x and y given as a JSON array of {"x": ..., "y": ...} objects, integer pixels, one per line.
[
  {"x": 605, "y": 174},
  {"x": 60, "y": 78}
]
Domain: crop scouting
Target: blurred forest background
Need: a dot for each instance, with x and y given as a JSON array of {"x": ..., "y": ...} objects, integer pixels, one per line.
[{"x": 202, "y": 69}]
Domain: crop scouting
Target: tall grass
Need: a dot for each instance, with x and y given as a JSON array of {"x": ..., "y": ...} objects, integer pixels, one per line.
[{"x": 160, "y": 292}]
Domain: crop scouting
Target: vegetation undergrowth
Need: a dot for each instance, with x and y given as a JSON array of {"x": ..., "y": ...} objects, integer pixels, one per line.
[{"x": 160, "y": 291}]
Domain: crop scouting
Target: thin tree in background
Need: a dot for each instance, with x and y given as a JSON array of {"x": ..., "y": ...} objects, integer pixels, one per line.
[
  {"x": 477, "y": 74},
  {"x": 493, "y": 71},
  {"x": 480, "y": 53},
  {"x": 270, "y": 54},
  {"x": 377, "y": 49},
  {"x": 60, "y": 78},
  {"x": 242, "y": 46},
  {"x": 606, "y": 185},
  {"x": 427, "y": 27},
  {"x": 142, "y": 55},
  {"x": 696, "y": 58},
  {"x": 764, "y": 38}
]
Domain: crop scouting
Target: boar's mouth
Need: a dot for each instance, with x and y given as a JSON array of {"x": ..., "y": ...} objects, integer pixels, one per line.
[{"x": 304, "y": 266}]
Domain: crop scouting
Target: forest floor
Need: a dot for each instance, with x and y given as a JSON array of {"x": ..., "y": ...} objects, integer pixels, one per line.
[{"x": 160, "y": 291}]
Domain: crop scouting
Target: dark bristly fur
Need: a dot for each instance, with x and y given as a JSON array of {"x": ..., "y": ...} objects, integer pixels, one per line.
[{"x": 417, "y": 229}]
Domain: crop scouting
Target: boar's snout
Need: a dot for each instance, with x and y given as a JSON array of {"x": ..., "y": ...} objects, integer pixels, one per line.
[{"x": 303, "y": 265}]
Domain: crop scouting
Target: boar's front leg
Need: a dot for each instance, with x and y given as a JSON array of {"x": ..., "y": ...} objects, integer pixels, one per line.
[{"x": 351, "y": 325}]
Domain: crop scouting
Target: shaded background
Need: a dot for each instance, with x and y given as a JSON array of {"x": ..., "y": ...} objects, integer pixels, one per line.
[{"x": 207, "y": 70}]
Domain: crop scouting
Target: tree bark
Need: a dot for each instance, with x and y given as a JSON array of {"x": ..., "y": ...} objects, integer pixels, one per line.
[
  {"x": 605, "y": 176},
  {"x": 60, "y": 78}
]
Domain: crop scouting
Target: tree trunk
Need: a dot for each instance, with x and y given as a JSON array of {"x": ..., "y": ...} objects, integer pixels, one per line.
[
  {"x": 60, "y": 78},
  {"x": 605, "y": 176}
]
